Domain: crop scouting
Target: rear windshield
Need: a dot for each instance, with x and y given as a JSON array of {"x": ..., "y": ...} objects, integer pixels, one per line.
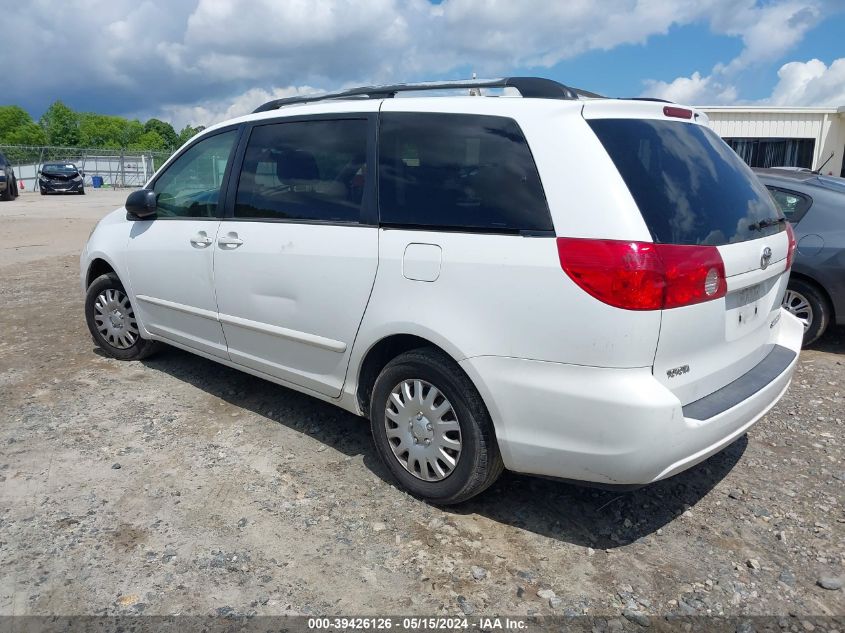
[{"x": 690, "y": 187}]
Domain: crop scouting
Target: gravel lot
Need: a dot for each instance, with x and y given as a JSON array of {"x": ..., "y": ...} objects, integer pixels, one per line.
[{"x": 175, "y": 485}]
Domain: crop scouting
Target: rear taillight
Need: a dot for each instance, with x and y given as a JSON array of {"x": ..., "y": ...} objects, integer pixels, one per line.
[
  {"x": 642, "y": 275},
  {"x": 680, "y": 113},
  {"x": 790, "y": 253}
]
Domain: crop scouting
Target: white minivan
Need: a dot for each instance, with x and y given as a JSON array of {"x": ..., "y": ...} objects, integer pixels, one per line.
[{"x": 557, "y": 284}]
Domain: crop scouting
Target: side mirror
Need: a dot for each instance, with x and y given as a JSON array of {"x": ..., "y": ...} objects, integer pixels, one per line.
[
  {"x": 82, "y": 173},
  {"x": 141, "y": 204}
]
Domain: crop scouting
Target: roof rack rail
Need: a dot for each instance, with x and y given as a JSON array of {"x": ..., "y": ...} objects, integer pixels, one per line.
[
  {"x": 533, "y": 87},
  {"x": 647, "y": 99}
]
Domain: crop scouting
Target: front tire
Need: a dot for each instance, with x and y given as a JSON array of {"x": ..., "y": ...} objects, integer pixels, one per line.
[
  {"x": 809, "y": 304},
  {"x": 432, "y": 429},
  {"x": 82, "y": 191},
  {"x": 111, "y": 320}
]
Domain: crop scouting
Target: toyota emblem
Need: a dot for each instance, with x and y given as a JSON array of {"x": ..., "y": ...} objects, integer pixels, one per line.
[{"x": 765, "y": 258}]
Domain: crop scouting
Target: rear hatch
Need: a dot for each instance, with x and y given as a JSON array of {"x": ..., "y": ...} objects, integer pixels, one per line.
[{"x": 693, "y": 190}]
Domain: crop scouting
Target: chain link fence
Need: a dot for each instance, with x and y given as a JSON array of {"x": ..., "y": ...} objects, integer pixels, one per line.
[{"x": 111, "y": 167}]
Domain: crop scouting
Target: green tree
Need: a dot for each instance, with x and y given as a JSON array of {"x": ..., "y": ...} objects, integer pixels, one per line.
[
  {"x": 150, "y": 141},
  {"x": 188, "y": 133},
  {"x": 18, "y": 128},
  {"x": 110, "y": 132},
  {"x": 164, "y": 130},
  {"x": 61, "y": 125}
]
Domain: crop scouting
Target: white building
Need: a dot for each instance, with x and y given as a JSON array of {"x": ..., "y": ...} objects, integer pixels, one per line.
[{"x": 779, "y": 136}]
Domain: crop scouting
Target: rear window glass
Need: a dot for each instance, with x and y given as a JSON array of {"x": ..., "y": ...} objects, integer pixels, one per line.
[
  {"x": 690, "y": 187},
  {"x": 458, "y": 171},
  {"x": 792, "y": 204}
]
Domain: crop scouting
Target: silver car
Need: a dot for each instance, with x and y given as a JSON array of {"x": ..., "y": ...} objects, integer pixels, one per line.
[{"x": 815, "y": 206}]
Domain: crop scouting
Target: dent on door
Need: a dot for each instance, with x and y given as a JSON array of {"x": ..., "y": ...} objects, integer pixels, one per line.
[{"x": 422, "y": 262}]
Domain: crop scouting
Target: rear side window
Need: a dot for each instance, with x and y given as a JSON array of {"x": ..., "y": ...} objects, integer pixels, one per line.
[
  {"x": 304, "y": 170},
  {"x": 690, "y": 187},
  {"x": 793, "y": 204},
  {"x": 457, "y": 171}
]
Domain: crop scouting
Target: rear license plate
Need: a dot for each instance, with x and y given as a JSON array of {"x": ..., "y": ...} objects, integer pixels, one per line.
[{"x": 748, "y": 303}]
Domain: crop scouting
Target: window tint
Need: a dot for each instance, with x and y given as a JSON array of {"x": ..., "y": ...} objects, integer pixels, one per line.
[
  {"x": 689, "y": 186},
  {"x": 793, "y": 204},
  {"x": 304, "y": 170},
  {"x": 458, "y": 171},
  {"x": 190, "y": 187}
]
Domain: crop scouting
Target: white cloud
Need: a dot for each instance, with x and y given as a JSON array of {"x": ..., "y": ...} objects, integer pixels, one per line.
[
  {"x": 199, "y": 60},
  {"x": 810, "y": 83},
  {"x": 213, "y": 111},
  {"x": 692, "y": 90},
  {"x": 768, "y": 32}
]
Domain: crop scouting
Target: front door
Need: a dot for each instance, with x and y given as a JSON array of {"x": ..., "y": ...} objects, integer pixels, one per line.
[
  {"x": 170, "y": 258},
  {"x": 295, "y": 264}
]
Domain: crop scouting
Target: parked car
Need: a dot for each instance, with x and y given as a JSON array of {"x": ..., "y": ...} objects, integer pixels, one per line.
[
  {"x": 8, "y": 182},
  {"x": 578, "y": 288},
  {"x": 815, "y": 206},
  {"x": 61, "y": 178}
]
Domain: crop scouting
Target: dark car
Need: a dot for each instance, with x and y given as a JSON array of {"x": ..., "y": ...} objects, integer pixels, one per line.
[
  {"x": 61, "y": 178},
  {"x": 8, "y": 182},
  {"x": 815, "y": 206}
]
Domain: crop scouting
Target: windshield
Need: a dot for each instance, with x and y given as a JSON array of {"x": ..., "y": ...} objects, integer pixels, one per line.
[
  {"x": 59, "y": 168},
  {"x": 690, "y": 187}
]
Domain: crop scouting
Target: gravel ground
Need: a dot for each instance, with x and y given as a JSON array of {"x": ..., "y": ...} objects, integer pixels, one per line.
[{"x": 175, "y": 485}]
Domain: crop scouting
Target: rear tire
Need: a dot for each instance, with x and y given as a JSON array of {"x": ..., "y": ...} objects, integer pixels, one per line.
[
  {"x": 82, "y": 191},
  {"x": 6, "y": 194},
  {"x": 410, "y": 444},
  {"x": 807, "y": 302},
  {"x": 111, "y": 320}
]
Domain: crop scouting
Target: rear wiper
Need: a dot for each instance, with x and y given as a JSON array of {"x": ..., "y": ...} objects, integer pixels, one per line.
[{"x": 762, "y": 224}]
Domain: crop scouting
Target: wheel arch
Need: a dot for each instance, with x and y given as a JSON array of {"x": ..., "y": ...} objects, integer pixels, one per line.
[
  {"x": 97, "y": 267},
  {"x": 384, "y": 350}
]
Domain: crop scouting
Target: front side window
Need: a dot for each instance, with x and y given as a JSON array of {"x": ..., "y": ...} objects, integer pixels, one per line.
[
  {"x": 304, "y": 170},
  {"x": 190, "y": 187},
  {"x": 793, "y": 204},
  {"x": 458, "y": 171}
]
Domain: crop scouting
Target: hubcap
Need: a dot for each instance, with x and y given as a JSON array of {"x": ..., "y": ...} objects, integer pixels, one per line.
[
  {"x": 115, "y": 318},
  {"x": 798, "y": 305},
  {"x": 422, "y": 430}
]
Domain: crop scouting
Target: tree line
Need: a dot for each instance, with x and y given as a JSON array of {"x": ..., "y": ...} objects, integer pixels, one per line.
[{"x": 63, "y": 127}]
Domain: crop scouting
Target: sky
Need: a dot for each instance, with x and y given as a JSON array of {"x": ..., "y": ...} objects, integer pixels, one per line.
[{"x": 203, "y": 61}]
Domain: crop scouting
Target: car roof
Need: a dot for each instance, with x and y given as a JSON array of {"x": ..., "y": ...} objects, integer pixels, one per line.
[
  {"x": 799, "y": 179},
  {"x": 786, "y": 174},
  {"x": 537, "y": 95}
]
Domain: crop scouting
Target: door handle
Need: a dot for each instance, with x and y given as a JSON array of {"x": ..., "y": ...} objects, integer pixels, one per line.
[
  {"x": 201, "y": 240},
  {"x": 230, "y": 240}
]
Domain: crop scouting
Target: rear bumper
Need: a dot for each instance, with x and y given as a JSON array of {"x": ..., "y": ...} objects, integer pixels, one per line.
[{"x": 615, "y": 426}]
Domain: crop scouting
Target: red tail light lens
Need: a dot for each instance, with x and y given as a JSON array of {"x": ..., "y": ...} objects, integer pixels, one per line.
[
  {"x": 642, "y": 275},
  {"x": 680, "y": 113},
  {"x": 790, "y": 253}
]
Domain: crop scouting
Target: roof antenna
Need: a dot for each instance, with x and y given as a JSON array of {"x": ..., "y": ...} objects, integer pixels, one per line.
[
  {"x": 474, "y": 92},
  {"x": 817, "y": 170}
]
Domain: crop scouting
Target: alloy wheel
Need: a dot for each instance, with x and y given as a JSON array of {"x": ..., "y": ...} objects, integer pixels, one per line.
[{"x": 797, "y": 304}]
